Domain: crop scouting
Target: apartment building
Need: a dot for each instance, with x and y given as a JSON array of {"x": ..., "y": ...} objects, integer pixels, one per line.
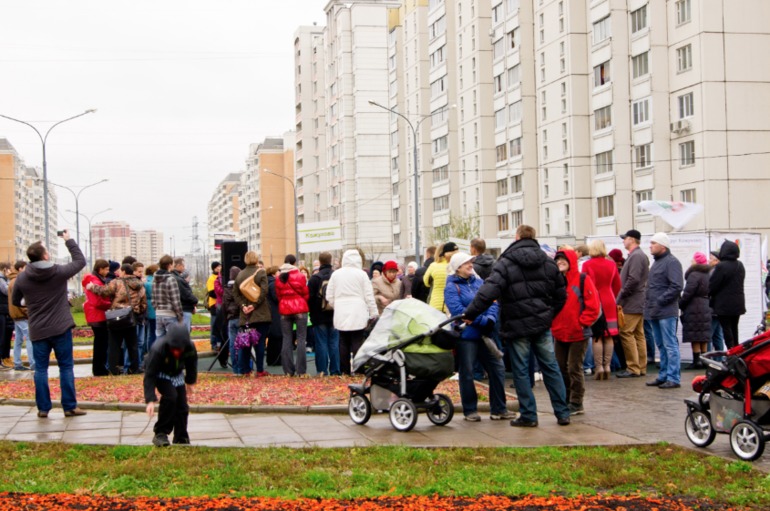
[
  {"x": 111, "y": 240},
  {"x": 22, "y": 216},
  {"x": 224, "y": 208},
  {"x": 147, "y": 246}
]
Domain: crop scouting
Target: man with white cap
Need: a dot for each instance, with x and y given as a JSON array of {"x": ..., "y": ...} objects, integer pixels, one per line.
[{"x": 664, "y": 285}]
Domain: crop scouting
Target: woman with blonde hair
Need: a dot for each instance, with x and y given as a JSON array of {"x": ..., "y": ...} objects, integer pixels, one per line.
[
  {"x": 435, "y": 276},
  {"x": 604, "y": 273}
]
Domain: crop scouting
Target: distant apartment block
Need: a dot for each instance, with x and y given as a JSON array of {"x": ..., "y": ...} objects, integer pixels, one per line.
[
  {"x": 224, "y": 208},
  {"x": 147, "y": 246},
  {"x": 111, "y": 241}
]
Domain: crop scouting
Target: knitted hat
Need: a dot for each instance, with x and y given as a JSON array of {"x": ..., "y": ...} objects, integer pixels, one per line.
[
  {"x": 390, "y": 265},
  {"x": 458, "y": 260},
  {"x": 661, "y": 238},
  {"x": 700, "y": 258},
  {"x": 617, "y": 256},
  {"x": 114, "y": 266}
]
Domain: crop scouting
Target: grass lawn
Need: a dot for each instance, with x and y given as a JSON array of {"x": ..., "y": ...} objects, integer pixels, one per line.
[
  {"x": 197, "y": 319},
  {"x": 654, "y": 470}
]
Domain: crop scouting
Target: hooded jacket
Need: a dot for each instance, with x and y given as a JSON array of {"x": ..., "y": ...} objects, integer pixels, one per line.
[
  {"x": 95, "y": 305},
  {"x": 350, "y": 292},
  {"x": 186, "y": 296},
  {"x": 16, "y": 313},
  {"x": 292, "y": 291},
  {"x": 261, "y": 312},
  {"x": 529, "y": 287},
  {"x": 664, "y": 286},
  {"x": 726, "y": 282},
  {"x": 696, "y": 313},
  {"x": 125, "y": 292},
  {"x": 482, "y": 265},
  {"x": 317, "y": 315},
  {"x": 458, "y": 294},
  {"x": 160, "y": 360},
  {"x": 165, "y": 295},
  {"x": 43, "y": 286},
  {"x": 571, "y": 324}
]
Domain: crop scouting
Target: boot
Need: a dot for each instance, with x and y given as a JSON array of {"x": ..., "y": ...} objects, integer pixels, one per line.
[
  {"x": 608, "y": 345},
  {"x": 696, "y": 363},
  {"x": 598, "y": 361}
]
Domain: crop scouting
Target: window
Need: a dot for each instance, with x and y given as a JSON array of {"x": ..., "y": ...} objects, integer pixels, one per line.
[
  {"x": 684, "y": 58},
  {"x": 547, "y": 220},
  {"x": 502, "y": 187},
  {"x": 497, "y": 13},
  {"x": 499, "y": 83},
  {"x": 517, "y": 218},
  {"x": 643, "y": 156},
  {"x": 439, "y": 115},
  {"x": 686, "y": 107},
  {"x": 438, "y": 27},
  {"x": 500, "y": 118},
  {"x": 394, "y": 139},
  {"x": 639, "y": 19},
  {"x": 640, "y": 197},
  {"x": 512, "y": 6},
  {"x": 566, "y": 179},
  {"x": 437, "y": 57},
  {"x": 687, "y": 195},
  {"x": 513, "y": 76},
  {"x": 498, "y": 49},
  {"x": 396, "y": 212},
  {"x": 515, "y": 146},
  {"x": 683, "y": 12},
  {"x": 397, "y": 239},
  {"x": 640, "y": 64},
  {"x": 502, "y": 222},
  {"x": 543, "y": 104},
  {"x": 687, "y": 154},
  {"x": 603, "y": 118},
  {"x": 602, "y": 30},
  {"x": 640, "y": 111},
  {"x": 502, "y": 152},
  {"x": 514, "y": 112},
  {"x": 546, "y": 186},
  {"x": 439, "y": 145},
  {"x": 395, "y": 189},
  {"x": 438, "y": 86},
  {"x": 394, "y": 164},
  {"x": 602, "y": 74},
  {"x": 441, "y": 203},
  {"x": 441, "y": 174},
  {"x": 604, "y": 162},
  {"x": 606, "y": 206},
  {"x": 513, "y": 38},
  {"x": 516, "y": 184},
  {"x": 567, "y": 227}
]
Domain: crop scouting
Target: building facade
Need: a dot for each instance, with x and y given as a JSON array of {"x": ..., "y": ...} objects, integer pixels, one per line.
[
  {"x": 147, "y": 246},
  {"x": 224, "y": 209},
  {"x": 111, "y": 241}
]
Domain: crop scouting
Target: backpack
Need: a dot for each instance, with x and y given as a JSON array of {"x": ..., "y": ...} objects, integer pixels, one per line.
[
  {"x": 600, "y": 325},
  {"x": 325, "y": 305},
  {"x": 250, "y": 289}
]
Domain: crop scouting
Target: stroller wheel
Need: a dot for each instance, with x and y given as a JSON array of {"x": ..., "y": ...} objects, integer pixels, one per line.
[
  {"x": 403, "y": 414},
  {"x": 697, "y": 425},
  {"x": 747, "y": 440},
  {"x": 360, "y": 409},
  {"x": 442, "y": 412}
]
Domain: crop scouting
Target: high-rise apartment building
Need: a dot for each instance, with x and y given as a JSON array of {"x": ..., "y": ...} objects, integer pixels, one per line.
[
  {"x": 224, "y": 208},
  {"x": 111, "y": 240},
  {"x": 147, "y": 246}
]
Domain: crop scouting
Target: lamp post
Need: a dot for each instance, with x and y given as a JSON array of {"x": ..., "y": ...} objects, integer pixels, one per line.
[
  {"x": 90, "y": 234},
  {"x": 414, "y": 127},
  {"x": 43, "y": 140},
  {"x": 296, "y": 214},
  {"x": 77, "y": 205}
]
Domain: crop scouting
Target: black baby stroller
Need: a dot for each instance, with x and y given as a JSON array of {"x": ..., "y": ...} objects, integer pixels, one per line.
[
  {"x": 734, "y": 398},
  {"x": 406, "y": 356}
]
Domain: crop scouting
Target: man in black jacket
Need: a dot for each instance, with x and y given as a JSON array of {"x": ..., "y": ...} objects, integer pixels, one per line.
[
  {"x": 419, "y": 289},
  {"x": 327, "y": 341},
  {"x": 531, "y": 291},
  {"x": 172, "y": 368},
  {"x": 482, "y": 264},
  {"x": 189, "y": 301}
]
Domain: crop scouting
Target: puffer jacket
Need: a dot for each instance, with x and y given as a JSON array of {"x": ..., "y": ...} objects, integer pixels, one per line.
[
  {"x": 435, "y": 279},
  {"x": 529, "y": 287},
  {"x": 458, "y": 294},
  {"x": 664, "y": 285},
  {"x": 482, "y": 265},
  {"x": 125, "y": 292},
  {"x": 727, "y": 281},
  {"x": 292, "y": 291},
  {"x": 261, "y": 312},
  {"x": 385, "y": 291},
  {"x": 572, "y": 325},
  {"x": 350, "y": 292},
  {"x": 694, "y": 303},
  {"x": 95, "y": 305}
]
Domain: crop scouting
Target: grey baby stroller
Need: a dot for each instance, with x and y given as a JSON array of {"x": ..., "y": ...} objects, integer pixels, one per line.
[{"x": 406, "y": 356}]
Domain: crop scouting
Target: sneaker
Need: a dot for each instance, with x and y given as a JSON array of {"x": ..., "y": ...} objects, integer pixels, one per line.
[
  {"x": 576, "y": 409},
  {"x": 563, "y": 421},
  {"x": 161, "y": 440},
  {"x": 41, "y": 414},
  {"x": 75, "y": 412},
  {"x": 21, "y": 368},
  {"x": 262, "y": 374},
  {"x": 473, "y": 417},
  {"x": 626, "y": 374},
  {"x": 588, "y": 372},
  {"x": 669, "y": 385},
  {"x": 505, "y": 416},
  {"x": 522, "y": 423},
  {"x": 538, "y": 376},
  {"x": 182, "y": 441}
]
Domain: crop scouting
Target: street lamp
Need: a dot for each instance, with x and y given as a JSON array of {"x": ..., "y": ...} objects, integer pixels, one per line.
[
  {"x": 77, "y": 204},
  {"x": 296, "y": 211},
  {"x": 90, "y": 234},
  {"x": 414, "y": 128},
  {"x": 43, "y": 139}
]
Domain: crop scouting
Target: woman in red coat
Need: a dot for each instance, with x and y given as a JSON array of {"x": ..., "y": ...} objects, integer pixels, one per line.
[
  {"x": 604, "y": 273},
  {"x": 571, "y": 328},
  {"x": 292, "y": 292},
  {"x": 94, "y": 308}
]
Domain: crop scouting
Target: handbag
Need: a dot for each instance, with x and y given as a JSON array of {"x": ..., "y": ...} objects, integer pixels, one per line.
[
  {"x": 123, "y": 317},
  {"x": 246, "y": 339},
  {"x": 250, "y": 289},
  {"x": 621, "y": 317}
]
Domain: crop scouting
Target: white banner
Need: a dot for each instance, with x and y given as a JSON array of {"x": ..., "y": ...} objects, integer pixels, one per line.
[
  {"x": 676, "y": 214},
  {"x": 319, "y": 237}
]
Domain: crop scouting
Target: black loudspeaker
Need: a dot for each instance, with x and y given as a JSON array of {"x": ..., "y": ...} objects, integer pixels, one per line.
[{"x": 232, "y": 255}]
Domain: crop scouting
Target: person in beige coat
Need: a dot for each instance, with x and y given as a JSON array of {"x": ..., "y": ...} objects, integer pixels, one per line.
[{"x": 387, "y": 287}]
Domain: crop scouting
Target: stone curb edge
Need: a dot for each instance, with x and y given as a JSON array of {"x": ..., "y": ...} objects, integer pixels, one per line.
[{"x": 83, "y": 361}]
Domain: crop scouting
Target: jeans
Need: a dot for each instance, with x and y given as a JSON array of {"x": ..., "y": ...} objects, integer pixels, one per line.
[
  {"x": 327, "y": 350},
  {"x": 141, "y": 333},
  {"x": 161, "y": 326},
  {"x": 468, "y": 351},
  {"x": 649, "y": 339},
  {"x": 287, "y": 358},
  {"x": 541, "y": 346},
  {"x": 232, "y": 331},
  {"x": 664, "y": 331},
  {"x": 717, "y": 336},
  {"x": 61, "y": 345},
  {"x": 21, "y": 328},
  {"x": 216, "y": 340},
  {"x": 259, "y": 350},
  {"x": 187, "y": 318}
]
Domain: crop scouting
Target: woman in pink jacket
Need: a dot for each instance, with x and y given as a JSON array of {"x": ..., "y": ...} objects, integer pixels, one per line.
[
  {"x": 291, "y": 289},
  {"x": 94, "y": 308}
]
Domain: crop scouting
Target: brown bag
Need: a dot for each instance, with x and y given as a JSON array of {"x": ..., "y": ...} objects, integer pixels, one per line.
[
  {"x": 621, "y": 317},
  {"x": 250, "y": 289}
]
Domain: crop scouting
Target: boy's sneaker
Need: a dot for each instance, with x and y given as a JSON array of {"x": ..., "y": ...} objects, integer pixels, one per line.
[
  {"x": 21, "y": 368},
  {"x": 473, "y": 417},
  {"x": 523, "y": 423},
  {"x": 161, "y": 440},
  {"x": 576, "y": 409},
  {"x": 505, "y": 416}
]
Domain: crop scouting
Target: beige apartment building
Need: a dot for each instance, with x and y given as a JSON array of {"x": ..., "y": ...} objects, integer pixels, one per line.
[
  {"x": 111, "y": 240},
  {"x": 224, "y": 209},
  {"x": 147, "y": 246}
]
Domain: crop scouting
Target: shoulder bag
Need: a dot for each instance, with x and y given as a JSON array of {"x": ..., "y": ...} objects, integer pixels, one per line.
[
  {"x": 250, "y": 289},
  {"x": 121, "y": 318}
]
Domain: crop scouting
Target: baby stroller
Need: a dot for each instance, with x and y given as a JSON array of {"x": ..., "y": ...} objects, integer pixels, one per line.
[
  {"x": 734, "y": 398},
  {"x": 407, "y": 355}
]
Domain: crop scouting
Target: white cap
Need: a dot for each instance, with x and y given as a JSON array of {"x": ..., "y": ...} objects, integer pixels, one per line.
[
  {"x": 458, "y": 260},
  {"x": 661, "y": 238}
]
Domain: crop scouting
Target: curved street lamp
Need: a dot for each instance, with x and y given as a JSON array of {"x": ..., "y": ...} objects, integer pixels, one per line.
[
  {"x": 296, "y": 211},
  {"x": 90, "y": 234},
  {"x": 77, "y": 204},
  {"x": 43, "y": 140}
]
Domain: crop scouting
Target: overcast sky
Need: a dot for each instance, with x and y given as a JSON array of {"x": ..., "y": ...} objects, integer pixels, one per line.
[{"x": 181, "y": 87}]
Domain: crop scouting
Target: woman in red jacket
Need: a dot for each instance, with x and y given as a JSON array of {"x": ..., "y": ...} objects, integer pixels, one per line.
[
  {"x": 571, "y": 328},
  {"x": 292, "y": 292},
  {"x": 94, "y": 308},
  {"x": 604, "y": 273}
]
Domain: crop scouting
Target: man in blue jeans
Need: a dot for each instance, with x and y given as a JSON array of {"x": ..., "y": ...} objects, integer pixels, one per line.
[
  {"x": 664, "y": 286},
  {"x": 327, "y": 339},
  {"x": 531, "y": 291},
  {"x": 42, "y": 287}
]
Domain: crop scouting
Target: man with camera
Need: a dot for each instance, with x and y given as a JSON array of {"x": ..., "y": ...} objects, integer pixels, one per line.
[{"x": 42, "y": 287}]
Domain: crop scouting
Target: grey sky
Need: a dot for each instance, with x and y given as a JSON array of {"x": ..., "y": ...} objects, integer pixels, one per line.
[{"x": 181, "y": 88}]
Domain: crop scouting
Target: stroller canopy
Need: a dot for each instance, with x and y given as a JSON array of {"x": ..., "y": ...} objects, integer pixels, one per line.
[{"x": 401, "y": 320}]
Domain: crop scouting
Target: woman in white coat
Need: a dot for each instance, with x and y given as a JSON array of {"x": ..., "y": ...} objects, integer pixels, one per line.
[{"x": 350, "y": 293}]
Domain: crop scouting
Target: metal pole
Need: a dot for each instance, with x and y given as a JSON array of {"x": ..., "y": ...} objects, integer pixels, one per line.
[
  {"x": 296, "y": 220},
  {"x": 416, "y": 199}
]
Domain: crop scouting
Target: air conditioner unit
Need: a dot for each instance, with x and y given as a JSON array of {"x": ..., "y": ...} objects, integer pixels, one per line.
[{"x": 680, "y": 126}]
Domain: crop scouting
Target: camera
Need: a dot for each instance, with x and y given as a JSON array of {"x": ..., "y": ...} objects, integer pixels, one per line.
[{"x": 60, "y": 233}]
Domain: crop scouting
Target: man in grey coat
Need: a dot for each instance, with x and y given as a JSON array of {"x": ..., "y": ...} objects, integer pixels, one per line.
[
  {"x": 42, "y": 287},
  {"x": 633, "y": 280},
  {"x": 664, "y": 286}
]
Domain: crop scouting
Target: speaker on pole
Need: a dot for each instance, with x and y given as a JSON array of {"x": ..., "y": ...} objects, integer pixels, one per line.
[{"x": 232, "y": 255}]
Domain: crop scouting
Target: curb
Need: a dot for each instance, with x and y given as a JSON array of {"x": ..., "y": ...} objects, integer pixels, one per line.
[{"x": 83, "y": 361}]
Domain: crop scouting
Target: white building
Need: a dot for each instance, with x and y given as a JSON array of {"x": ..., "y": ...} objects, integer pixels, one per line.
[
  {"x": 147, "y": 246},
  {"x": 224, "y": 208}
]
